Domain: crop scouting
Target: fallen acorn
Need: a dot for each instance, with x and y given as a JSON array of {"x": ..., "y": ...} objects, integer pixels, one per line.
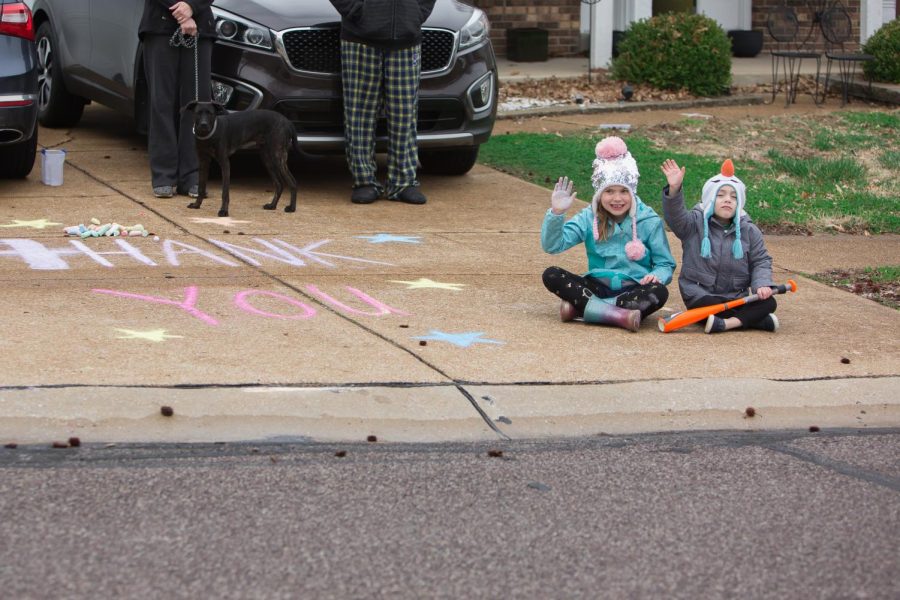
[
  {"x": 845, "y": 360},
  {"x": 371, "y": 438},
  {"x": 341, "y": 453},
  {"x": 749, "y": 412},
  {"x": 813, "y": 428},
  {"x": 495, "y": 453},
  {"x": 60, "y": 445},
  {"x": 74, "y": 442},
  {"x": 166, "y": 411}
]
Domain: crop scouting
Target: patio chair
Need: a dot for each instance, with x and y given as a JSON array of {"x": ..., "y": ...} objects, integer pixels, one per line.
[
  {"x": 791, "y": 47},
  {"x": 838, "y": 29}
]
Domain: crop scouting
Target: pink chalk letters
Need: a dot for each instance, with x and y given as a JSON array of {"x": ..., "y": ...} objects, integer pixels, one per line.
[{"x": 243, "y": 301}]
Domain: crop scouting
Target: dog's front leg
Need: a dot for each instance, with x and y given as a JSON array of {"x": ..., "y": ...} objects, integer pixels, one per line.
[
  {"x": 225, "y": 167},
  {"x": 202, "y": 177}
]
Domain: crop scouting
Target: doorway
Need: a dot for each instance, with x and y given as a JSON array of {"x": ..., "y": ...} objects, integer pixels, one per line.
[{"x": 665, "y": 6}]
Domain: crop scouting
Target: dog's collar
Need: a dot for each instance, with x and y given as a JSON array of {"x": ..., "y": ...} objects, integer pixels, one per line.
[{"x": 211, "y": 133}]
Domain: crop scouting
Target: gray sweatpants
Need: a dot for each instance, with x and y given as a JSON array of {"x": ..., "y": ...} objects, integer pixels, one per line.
[{"x": 171, "y": 83}]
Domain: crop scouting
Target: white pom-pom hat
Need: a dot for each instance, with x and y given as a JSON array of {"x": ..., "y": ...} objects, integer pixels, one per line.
[
  {"x": 711, "y": 188},
  {"x": 614, "y": 165}
]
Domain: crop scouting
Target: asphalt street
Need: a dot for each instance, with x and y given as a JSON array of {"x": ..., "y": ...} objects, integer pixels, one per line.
[{"x": 688, "y": 515}]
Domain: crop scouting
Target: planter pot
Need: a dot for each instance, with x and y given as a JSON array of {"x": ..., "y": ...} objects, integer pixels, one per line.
[
  {"x": 617, "y": 38},
  {"x": 745, "y": 43},
  {"x": 527, "y": 44}
]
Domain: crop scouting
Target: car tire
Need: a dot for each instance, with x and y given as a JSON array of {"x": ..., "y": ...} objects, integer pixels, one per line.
[
  {"x": 56, "y": 106},
  {"x": 17, "y": 160},
  {"x": 457, "y": 161}
]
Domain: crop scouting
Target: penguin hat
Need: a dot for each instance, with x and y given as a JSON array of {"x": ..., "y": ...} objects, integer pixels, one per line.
[
  {"x": 708, "y": 206},
  {"x": 614, "y": 165}
]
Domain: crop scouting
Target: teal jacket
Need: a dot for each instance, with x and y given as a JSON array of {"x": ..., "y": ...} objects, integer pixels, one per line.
[{"x": 606, "y": 259}]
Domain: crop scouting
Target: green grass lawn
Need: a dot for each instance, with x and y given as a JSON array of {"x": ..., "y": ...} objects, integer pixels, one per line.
[{"x": 834, "y": 172}]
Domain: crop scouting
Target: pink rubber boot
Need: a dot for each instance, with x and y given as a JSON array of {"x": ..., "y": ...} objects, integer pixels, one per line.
[{"x": 598, "y": 311}]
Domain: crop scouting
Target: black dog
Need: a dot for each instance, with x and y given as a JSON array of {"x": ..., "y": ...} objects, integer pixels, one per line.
[{"x": 219, "y": 135}]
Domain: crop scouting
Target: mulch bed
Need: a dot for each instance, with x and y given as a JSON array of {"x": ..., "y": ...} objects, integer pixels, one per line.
[
  {"x": 601, "y": 89},
  {"x": 860, "y": 283}
]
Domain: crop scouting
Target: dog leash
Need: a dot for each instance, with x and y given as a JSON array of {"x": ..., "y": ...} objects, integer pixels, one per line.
[{"x": 189, "y": 41}]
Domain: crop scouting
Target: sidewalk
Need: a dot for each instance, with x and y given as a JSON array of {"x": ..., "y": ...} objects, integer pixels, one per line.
[{"x": 409, "y": 323}]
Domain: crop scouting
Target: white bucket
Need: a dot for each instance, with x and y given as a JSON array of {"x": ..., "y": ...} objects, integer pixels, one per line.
[{"x": 52, "y": 162}]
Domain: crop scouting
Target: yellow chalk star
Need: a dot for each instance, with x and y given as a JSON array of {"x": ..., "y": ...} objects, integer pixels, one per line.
[
  {"x": 423, "y": 283},
  {"x": 38, "y": 224},
  {"x": 153, "y": 335}
]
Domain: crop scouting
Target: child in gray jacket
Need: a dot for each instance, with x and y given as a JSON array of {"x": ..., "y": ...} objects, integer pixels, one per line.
[{"x": 723, "y": 253}]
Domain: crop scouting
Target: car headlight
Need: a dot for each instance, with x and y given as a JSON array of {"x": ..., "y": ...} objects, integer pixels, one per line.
[
  {"x": 475, "y": 31},
  {"x": 232, "y": 28}
]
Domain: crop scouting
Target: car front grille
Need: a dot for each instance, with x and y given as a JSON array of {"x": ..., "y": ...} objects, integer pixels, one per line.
[
  {"x": 318, "y": 49},
  {"x": 314, "y": 116}
]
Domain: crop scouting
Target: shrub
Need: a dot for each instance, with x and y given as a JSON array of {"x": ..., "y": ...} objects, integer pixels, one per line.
[
  {"x": 884, "y": 45},
  {"x": 675, "y": 51}
]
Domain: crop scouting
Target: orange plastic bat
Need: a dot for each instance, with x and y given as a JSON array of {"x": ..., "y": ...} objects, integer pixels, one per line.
[{"x": 684, "y": 318}]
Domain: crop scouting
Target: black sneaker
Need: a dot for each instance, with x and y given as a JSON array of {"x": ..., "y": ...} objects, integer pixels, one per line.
[
  {"x": 411, "y": 195},
  {"x": 769, "y": 323},
  {"x": 714, "y": 324},
  {"x": 366, "y": 194}
]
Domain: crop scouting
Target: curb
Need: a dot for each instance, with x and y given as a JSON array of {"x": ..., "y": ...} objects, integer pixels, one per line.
[
  {"x": 616, "y": 107},
  {"x": 442, "y": 413}
]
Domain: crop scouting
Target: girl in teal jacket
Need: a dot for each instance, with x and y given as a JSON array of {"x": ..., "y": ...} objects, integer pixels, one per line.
[{"x": 629, "y": 260}]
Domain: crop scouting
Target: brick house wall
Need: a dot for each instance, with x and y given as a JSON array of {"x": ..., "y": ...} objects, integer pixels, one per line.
[
  {"x": 761, "y": 10},
  {"x": 561, "y": 19}
]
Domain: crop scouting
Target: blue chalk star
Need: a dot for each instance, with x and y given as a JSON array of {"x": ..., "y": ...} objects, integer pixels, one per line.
[
  {"x": 463, "y": 340},
  {"x": 383, "y": 238}
]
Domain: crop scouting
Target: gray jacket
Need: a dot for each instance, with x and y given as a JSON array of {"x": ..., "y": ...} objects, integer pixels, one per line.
[{"x": 721, "y": 274}]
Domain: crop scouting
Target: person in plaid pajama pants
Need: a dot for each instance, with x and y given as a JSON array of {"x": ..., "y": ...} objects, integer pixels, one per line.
[{"x": 381, "y": 63}]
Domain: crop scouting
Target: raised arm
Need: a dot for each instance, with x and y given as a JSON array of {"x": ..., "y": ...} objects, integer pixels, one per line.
[{"x": 677, "y": 217}]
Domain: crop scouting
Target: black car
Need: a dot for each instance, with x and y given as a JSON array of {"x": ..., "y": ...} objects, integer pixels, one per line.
[
  {"x": 277, "y": 54},
  {"x": 18, "y": 90}
]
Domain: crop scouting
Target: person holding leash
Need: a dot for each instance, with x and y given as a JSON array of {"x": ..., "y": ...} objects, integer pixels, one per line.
[
  {"x": 723, "y": 251},
  {"x": 381, "y": 62},
  {"x": 168, "y": 31},
  {"x": 629, "y": 261}
]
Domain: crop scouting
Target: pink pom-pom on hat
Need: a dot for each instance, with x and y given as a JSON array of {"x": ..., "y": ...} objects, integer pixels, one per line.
[{"x": 611, "y": 147}]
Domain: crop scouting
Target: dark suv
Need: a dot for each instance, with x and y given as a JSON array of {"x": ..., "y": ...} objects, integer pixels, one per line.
[
  {"x": 18, "y": 90},
  {"x": 278, "y": 54}
]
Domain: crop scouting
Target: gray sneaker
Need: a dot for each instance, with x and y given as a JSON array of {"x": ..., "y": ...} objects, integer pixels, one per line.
[{"x": 164, "y": 191}]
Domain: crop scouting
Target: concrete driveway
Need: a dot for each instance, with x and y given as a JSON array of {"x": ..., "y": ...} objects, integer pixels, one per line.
[{"x": 409, "y": 323}]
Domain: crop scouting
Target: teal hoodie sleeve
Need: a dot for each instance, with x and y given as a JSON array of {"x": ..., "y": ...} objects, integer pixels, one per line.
[
  {"x": 558, "y": 235},
  {"x": 661, "y": 259}
]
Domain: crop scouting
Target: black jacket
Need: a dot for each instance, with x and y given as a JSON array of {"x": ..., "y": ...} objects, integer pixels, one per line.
[
  {"x": 157, "y": 19},
  {"x": 387, "y": 24}
]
